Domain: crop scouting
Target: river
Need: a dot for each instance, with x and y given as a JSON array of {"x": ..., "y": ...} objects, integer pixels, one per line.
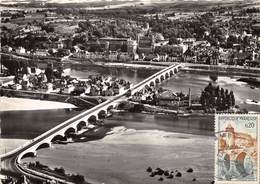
[
  {"x": 27, "y": 128},
  {"x": 138, "y": 140},
  {"x": 181, "y": 82}
]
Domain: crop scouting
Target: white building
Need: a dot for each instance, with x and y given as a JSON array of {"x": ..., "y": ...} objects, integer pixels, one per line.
[
  {"x": 41, "y": 52},
  {"x": 20, "y": 50},
  {"x": 68, "y": 89}
]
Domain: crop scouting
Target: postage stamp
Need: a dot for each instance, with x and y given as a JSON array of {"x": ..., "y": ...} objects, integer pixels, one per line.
[{"x": 237, "y": 148}]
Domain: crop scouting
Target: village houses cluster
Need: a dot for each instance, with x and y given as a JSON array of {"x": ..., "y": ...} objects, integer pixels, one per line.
[
  {"x": 151, "y": 37},
  {"x": 37, "y": 80}
]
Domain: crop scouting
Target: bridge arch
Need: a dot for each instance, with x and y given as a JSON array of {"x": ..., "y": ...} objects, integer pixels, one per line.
[
  {"x": 162, "y": 77},
  {"x": 167, "y": 75},
  {"x": 244, "y": 164},
  {"x": 147, "y": 86},
  {"x": 43, "y": 145},
  {"x": 226, "y": 162},
  {"x": 175, "y": 70},
  {"x": 102, "y": 114},
  {"x": 92, "y": 119},
  {"x": 171, "y": 73},
  {"x": 28, "y": 154},
  {"x": 69, "y": 132},
  {"x": 122, "y": 105},
  {"x": 157, "y": 80},
  {"x": 152, "y": 83},
  {"x": 58, "y": 138},
  {"x": 109, "y": 108},
  {"x": 80, "y": 125}
]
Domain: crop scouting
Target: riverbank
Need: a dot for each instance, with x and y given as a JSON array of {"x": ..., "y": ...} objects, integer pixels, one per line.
[
  {"x": 189, "y": 67},
  {"x": 131, "y": 65},
  {"x": 8, "y": 145},
  {"x": 13, "y": 104},
  {"x": 24, "y": 104},
  {"x": 220, "y": 69},
  {"x": 160, "y": 110},
  {"x": 77, "y": 101}
]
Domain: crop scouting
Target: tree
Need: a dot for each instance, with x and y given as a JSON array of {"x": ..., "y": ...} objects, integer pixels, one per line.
[
  {"x": 217, "y": 91},
  {"x": 233, "y": 102},
  {"x": 59, "y": 71},
  {"x": 173, "y": 40},
  {"x": 218, "y": 103},
  {"x": 231, "y": 40},
  {"x": 124, "y": 48},
  {"x": 49, "y": 72},
  {"x": 60, "y": 171},
  {"x": 78, "y": 179},
  {"x": 213, "y": 98},
  {"x": 209, "y": 88},
  {"x": 24, "y": 70},
  {"x": 203, "y": 99}
]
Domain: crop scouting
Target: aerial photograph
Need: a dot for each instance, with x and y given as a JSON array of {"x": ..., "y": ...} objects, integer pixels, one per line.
[{"x": 128, "y": 91}]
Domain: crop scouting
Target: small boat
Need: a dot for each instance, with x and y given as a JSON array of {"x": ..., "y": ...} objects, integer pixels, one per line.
[{"x": 252, "y": 101}]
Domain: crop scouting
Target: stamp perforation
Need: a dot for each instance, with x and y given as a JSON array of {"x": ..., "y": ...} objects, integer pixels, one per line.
[{"x": 229, "y": 163}]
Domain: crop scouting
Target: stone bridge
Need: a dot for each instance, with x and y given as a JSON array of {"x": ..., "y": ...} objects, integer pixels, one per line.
[
  {"x": 237, "y": 163},
  {"x": 75, "y": 124}
]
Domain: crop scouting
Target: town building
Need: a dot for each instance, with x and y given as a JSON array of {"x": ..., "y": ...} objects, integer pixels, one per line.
[
  {"x": 41, "y": 52},
  {"x": 6, "y": 48},
  {"x": 146, "y": 44},
  {"x": 20, "y": 50},
  {"x": 114, "y": 44}
]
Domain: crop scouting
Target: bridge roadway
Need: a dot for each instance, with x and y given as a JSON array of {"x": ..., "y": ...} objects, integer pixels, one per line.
[{"x": 11, "y": 161}]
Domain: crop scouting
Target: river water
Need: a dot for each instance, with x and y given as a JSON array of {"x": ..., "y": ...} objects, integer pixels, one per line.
[
  {"x": 181, "y": 82},
  {"x": 141, "y": 140}
]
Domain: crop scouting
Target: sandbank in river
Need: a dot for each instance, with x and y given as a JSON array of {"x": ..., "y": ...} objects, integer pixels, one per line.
[{"x": 124, "y": 155}]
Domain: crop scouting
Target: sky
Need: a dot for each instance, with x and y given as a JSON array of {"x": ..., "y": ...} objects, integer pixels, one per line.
[{"x": 239, "y": 125}]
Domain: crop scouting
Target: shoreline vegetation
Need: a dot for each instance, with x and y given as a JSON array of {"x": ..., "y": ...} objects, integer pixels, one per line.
[{"x": 57, "y": 173}]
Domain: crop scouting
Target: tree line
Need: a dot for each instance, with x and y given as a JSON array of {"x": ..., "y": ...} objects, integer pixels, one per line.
[{"x": 214, "y": 98}]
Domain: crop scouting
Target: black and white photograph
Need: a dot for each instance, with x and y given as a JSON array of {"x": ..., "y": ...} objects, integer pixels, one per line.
[{"x": 130, "y": 91}]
